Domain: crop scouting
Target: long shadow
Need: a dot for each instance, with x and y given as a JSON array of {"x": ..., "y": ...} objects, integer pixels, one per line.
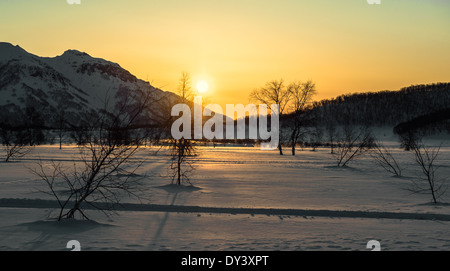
[{"x": 162, "y": 225}]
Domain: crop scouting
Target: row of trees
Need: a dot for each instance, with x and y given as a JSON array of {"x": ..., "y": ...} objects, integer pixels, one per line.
[
  {"x": 420, "y": 108},
  {"x": 20, "y": 134}
]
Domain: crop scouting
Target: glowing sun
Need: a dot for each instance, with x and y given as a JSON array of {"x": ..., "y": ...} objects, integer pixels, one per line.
[{"x": 202, "y": 86}]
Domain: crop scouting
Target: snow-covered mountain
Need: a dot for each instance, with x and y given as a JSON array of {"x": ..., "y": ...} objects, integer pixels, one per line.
[{"x": 74, "y": 82}]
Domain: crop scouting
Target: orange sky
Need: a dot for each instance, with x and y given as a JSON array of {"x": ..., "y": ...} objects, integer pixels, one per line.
[{"x": 344, "y": 46}]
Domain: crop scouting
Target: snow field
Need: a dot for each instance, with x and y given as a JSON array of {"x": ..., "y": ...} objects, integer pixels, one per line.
[{"x": 234, "y": 177}]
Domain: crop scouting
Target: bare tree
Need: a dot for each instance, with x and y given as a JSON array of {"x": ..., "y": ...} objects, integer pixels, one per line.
[
  {"x": 14, "y": 144},
  {"x": 383, "y": 156},
  {"x": 60, "y": 121},
  {"x": 274, "y": 92},
  {"x": 353, "y": 145},
  {"x": 316, "y": 137},
  {"x": 95, "y": 181},
  {"x": 182, "y": 162},
  {"x": 16, "y": 151},
  {"x": 409, "y": 139},
  {"x": 301, "y": 95},
  {"x": 429, "y": 183},
  {"x": 182, "y": 150}
]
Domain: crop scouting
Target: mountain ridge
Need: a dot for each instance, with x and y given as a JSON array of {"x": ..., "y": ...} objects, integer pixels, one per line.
[{"x": 74, "y": 80}]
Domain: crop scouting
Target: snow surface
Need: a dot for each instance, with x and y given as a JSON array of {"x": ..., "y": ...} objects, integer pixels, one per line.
[{"x": 241, "y": 198}]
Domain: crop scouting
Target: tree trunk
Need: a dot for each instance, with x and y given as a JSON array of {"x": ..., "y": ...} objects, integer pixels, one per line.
[
  {"x": 179, "y": 173},
  {"x": 430, "y": 182},
  {"x": 9, "y": 154},
  {"x": 180, "y": 157},
  {"x": 60, "y": 141},
  {"x": 332, "y": 145},
  {"x": 293, "y": 140}
]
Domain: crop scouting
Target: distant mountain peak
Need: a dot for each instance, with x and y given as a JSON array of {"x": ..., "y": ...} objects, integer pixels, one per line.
[
  {"x": 74, "y": 81},
  {"x": 4, "y": 45},
  {"x": 70, "y": 55},
  {"x": 81, "y": 58},
  {"x": 9, "y": 51},
  {"x": 75, "y": 53}
]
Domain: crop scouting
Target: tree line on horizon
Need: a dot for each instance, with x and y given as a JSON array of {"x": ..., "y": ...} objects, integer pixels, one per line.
[
  {"x": 383, "y": 108},
  {"x": 411, "y": 108}
]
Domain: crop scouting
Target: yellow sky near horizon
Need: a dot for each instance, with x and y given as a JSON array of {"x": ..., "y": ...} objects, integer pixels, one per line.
[{"x": 236, "y": 46}]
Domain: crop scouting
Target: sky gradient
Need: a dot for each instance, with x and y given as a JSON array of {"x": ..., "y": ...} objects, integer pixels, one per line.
[{"x": 344, "y": 46}]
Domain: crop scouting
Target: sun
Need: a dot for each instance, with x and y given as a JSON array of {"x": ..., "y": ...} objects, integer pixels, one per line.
[{"x": 202, "y": 86}]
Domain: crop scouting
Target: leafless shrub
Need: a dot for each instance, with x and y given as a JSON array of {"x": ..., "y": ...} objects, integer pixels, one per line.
[
  {"x": 14, "y": 144},
  {"x": 383, "y": 156},
  {"x": 429, "y": 182},
  {"x": 96, "y": 182},
  {"x": 183, "y": 160},
  {"x": 352, "y": 145},
  {"x": 182, "y": 150}
]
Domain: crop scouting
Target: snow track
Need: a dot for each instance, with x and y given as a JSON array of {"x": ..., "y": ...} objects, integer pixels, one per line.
[{"x": 40, "y": 204}]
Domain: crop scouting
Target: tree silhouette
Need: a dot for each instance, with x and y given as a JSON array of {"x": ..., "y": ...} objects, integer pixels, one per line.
[{"x": 274, "y": 92}]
